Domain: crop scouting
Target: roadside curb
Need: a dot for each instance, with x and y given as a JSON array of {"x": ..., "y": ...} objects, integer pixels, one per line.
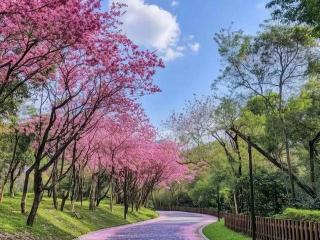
[
  {"x": 201, "y": 232},
  {"x": 85, "y": 236}
]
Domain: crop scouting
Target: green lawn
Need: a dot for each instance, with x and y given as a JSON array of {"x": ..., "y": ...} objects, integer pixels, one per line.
[
  {"x": 52, "y": 224},
  {"x": 217, "y": 231}
]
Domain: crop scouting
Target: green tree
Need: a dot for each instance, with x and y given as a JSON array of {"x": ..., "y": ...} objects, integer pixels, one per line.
[
  {"x": 298, "y": 11},
  {"x": 15, "y": 155},
  {"x": 272, "y": 65},
  {"x": 303, "y": 122}
]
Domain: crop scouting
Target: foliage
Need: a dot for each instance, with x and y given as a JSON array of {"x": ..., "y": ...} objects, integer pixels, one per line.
[
  {"x": 301, "y": 214},
  {"x": 298, "y": 11},
  {"x": 271, "y": 195}
]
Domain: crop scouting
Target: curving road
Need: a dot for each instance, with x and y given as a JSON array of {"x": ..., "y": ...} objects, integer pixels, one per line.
[{"x": 168, "y": 226}]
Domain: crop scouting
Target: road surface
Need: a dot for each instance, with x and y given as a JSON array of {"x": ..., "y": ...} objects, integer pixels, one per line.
[{"x": 168, "y": 226}]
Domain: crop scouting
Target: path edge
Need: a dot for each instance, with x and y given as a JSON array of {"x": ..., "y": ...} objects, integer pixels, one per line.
[
  {"x": 82, "y": 237},
  {"x": 201, "y": 232}
]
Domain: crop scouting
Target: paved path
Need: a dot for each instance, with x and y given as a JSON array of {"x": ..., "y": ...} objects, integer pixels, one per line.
[{"x": 169, "y": 226}]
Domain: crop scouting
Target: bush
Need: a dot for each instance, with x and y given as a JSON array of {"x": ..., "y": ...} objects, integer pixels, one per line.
[
  {"x": 301, "y": 214},
  {"x": 270, "y": 193}
]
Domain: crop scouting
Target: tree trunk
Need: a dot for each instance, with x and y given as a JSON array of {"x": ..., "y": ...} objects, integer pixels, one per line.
[
  {"x": 55, "y": 197},
  {"x": 14, "y": 177},
  {"x": 12, "y": 167},
  {"x": 218, "y": 202},
  {"x": 54, "y": 186},
  {"x": 312, "y": 160},
  {"x": 73, "y": 188},
  {"x": 34, "y": 209},
  {"x": 293, "y": 192},
  {"x": 4, "y": 184},
  {"x": 92, "y": 204},
  {"x": 285, "y": 135},
  {"x": 111, "y": 194},
  {"x": 235, "y": 203},
  {"x": 81, "y": 186},
  {"x": 25, "y": 191},
  {"x": 98, "y": 201},
  {"x": 276, "y": 163},
  {"x": 239, "y": 155},
  {"x": 125, "y": 195},
  {"x": 11, "y": 192},
  {"x": 137, "y": 205},
  {"x": 37, "y": 196},
  {"x": 252, "y": 198},
  {"x": 1, "y": 194},
  {"x": 65, "y": 196},
  {"x": 238, "y": 190}
]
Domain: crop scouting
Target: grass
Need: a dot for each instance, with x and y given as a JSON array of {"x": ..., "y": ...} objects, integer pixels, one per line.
[
  {"x": 52, "y": 224},
  {"x": 300, "y": 214},
  {"x": 217, "y": 231}
]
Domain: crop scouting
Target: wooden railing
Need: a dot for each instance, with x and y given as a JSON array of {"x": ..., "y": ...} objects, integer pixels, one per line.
[
  {"x": 267, "y": 228},
  {"x": 274, "y": 229}
]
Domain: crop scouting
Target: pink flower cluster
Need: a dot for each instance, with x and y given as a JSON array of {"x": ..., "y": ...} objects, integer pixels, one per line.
[{"x": 127, "y": 142}]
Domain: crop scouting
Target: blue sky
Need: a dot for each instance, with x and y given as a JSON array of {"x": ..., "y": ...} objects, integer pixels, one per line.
[{"x": 182, "y": 32}]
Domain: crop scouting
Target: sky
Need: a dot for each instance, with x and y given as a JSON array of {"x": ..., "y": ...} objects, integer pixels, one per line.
[{"x": 182, "y": 31}]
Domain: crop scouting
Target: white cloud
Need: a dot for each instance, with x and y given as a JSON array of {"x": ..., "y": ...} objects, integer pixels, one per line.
[
  {"x": 174, "y": 3},
  {"x": 192, "y": 45},
  {"x": 156, "y": 28},
  {"x": 171, "y": 54},
  {"x": 195, "y": 47}
]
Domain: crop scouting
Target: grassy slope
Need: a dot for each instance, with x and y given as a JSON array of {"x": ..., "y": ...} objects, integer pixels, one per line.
[
  {"x": 52, "y": 224},
  {"x": 217, "y": 231}
]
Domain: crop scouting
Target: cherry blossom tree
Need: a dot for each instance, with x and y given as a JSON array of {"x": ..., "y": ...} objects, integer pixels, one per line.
[
  {"x": 131, "y": 160},
  {"x": 86, "y": 77},
  {"x": 104, "y": 76},
  {"x": 35, "y": 35}
]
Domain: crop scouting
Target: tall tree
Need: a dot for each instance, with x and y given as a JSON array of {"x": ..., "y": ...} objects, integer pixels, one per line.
[{"x": 274, "y": 61}]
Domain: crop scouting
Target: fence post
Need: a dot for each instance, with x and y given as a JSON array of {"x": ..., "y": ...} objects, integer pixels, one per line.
[
  {"x": 253, "y": 215},
  {"x": 218, "y": 201}
]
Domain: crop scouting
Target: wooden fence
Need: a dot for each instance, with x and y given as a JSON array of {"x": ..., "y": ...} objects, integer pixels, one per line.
[
  {"x": 274, "y": 229},
  {"x": 267, "y": 228}
]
